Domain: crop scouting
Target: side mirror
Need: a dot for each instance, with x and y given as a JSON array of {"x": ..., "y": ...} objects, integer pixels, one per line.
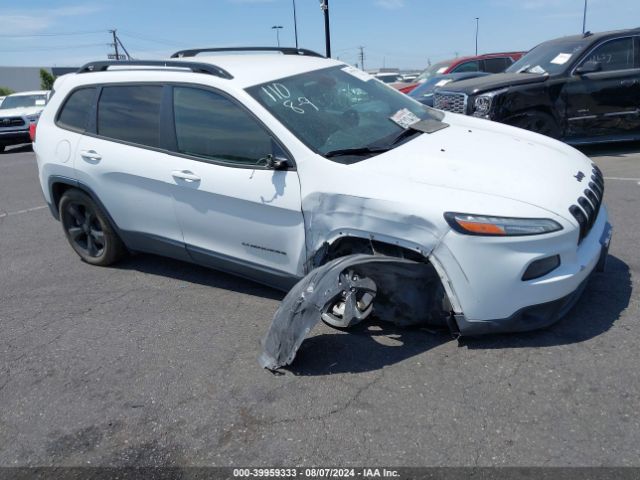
[
  {"x": 276, "y": 162},
  {"x": 589, "y": 67}
]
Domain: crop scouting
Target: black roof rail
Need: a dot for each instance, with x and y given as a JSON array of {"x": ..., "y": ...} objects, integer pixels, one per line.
[
  {"x": 196, "y": 67},
  {"x": 285, "y": 50}
]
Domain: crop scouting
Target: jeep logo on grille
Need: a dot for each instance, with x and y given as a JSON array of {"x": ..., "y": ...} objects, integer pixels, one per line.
[{"x": 579, "y": 176}]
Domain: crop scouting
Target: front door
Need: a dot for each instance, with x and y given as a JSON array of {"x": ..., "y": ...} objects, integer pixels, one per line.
[
  {"x": 605, "y": 103},
  {"x": 236, "y": 214}
]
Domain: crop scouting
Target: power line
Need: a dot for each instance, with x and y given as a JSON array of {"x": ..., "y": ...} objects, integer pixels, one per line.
[
  {"x": 52, "y": 34},
  {"x": 148, "y": 39},
  {"x": 59, "y": 47}
]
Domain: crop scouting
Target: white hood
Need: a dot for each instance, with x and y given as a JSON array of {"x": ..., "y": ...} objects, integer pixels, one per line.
[
  {"x": 21, "y": 111},
  {"x": 490, "y": 158}
]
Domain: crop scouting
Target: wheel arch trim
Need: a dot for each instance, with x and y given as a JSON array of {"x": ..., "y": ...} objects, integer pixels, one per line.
[{"x": 73, "y": 183}]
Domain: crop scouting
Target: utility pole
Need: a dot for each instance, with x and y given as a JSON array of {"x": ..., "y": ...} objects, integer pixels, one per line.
[
  {"x": 124, "y": 49},
  {"x": 115, "y": 43},
  {"x": 477, "y": 28},
  {"x": 277, "y": 28},
  {"x": 361, "y": 57},
  {"x": 584, "y": 18},
  {"x": 295, "y": 22},
  {"x": 324, "y": 6}
]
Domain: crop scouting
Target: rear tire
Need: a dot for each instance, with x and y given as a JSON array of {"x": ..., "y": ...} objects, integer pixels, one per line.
[
  {"x": 88, "y": 229},
  {"x": 538, "y": 122}
]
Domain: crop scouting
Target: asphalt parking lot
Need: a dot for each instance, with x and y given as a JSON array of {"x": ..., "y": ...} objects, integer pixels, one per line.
[{"x": 153, "y": 362}]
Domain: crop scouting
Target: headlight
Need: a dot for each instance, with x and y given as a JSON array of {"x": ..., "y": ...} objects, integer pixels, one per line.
[
  {"x": 483, "y": 103},
  {"x": 472, "y": 224},
  {"x": 33, "y": 118}
]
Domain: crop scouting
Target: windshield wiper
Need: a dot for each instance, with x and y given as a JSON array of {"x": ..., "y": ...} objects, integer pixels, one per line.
[
  {"x": 356, "y": 151},
  {"x": 409, "y": 132}
]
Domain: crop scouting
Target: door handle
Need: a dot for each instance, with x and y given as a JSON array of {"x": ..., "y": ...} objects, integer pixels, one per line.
[
  {"x": 628, "y": 83},
  {"x": 185, "y": 175},
  {"x": 91, "y": 155}
]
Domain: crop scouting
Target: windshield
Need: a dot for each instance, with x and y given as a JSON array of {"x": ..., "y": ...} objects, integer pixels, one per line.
[
  {"x": 433, "y": 70},
  {"x": 23, "y": 101},
  {"x": 429, "y": 86},
  {"x": 551, "y": 57},
  {"x": 389, "y": 78},
  {"x": 341, "y": 108}
]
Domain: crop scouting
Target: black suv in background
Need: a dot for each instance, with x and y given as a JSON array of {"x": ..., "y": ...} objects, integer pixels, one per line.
[{"x": 580, "y": 89}]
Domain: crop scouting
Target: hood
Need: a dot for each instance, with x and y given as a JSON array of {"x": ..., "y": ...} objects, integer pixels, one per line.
[
  {"x": 489, "y": 158},
  {"x": 20, "y": 112},
  {"x": 494, "y": 82}
]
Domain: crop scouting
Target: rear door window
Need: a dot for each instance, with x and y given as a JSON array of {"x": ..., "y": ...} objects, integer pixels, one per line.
[
  {"x": 75, "y": 112},
  {"x": 131, "y": 113}
]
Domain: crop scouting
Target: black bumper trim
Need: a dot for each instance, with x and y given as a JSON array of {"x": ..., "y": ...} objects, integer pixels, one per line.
[{"x": 14, "y": 138}]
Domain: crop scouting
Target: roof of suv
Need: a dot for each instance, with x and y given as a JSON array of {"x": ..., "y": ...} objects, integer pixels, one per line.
[
  {"x": 243, "y": 69},
  {"x": 248, "y": 69},
  {"x": 589, "y": 37}
]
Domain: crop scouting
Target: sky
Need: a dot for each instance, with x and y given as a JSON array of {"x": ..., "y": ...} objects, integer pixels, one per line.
[{"x": 406, "y": 34}]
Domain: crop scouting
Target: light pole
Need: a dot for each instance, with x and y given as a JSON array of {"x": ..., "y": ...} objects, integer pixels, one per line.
[
  {"x": 584, "y": 18},
  {"x": 295, "y": 22},
  {"x": 277, "y": 28},
  {"x": 324, "y": 6},
  {"x": 477, "y": 27}
]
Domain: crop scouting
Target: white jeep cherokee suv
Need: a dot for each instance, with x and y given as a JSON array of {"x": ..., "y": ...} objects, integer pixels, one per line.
[{"x": 270, "y": 165}]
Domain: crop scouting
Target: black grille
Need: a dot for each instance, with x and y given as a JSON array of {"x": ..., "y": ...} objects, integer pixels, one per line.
[
  {"x": 11, "y": 122},
  {"x": 588, "y": 206}
]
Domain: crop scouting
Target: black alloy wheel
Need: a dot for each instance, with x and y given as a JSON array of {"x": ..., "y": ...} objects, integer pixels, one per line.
[{"x": 88, "y": 230}]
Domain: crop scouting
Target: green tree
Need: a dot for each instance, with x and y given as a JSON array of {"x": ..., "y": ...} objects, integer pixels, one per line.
[
  {"x": 46, "y": 80},
  {"x": 4, "y": 91}
]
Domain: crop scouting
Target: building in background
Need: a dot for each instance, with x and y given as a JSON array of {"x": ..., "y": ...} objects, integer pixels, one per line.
[{"x": 23, "y": 79}]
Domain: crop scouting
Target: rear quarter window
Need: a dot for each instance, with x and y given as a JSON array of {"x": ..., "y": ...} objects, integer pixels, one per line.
[
  {"x": 131, "y": 114},
  {"x": 74, "y": 114}
]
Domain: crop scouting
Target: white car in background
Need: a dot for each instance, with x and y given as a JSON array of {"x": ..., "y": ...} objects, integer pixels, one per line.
[
  {"x": 270, "y": 166},
  {"x": 17, "y": 112}
]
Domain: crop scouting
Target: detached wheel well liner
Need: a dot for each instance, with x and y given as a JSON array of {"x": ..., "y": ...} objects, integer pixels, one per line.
[
  {"x": 349, "y": 245},
  {"x": 439, "y": 307}
]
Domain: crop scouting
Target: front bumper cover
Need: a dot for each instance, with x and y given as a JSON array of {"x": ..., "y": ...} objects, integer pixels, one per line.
[{"x": 538, "y": 316}]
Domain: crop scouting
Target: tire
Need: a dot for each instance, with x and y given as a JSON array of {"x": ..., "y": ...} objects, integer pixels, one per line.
[
  {"x": 88, "y": 229},
  {"x": 538, "y": 122},
  {"x": 2, "y": 147}
]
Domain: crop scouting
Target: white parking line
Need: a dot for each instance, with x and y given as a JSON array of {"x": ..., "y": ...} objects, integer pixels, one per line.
[
  {"x": 18, "y": 212},
  {"x": 623, "y": 178}
]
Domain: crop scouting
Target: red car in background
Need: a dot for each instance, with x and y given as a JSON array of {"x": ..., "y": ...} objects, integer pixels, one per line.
[{"x": 489, "y": 62}]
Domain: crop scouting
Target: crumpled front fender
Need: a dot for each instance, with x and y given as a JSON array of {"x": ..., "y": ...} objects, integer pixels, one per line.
[{"x": 406, "y": 293}]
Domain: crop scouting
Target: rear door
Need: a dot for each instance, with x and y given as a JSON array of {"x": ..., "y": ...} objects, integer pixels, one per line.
[
  {"x": 605, "y": 103},
  {"x": 121, "y": 159},
  {"x": 236, "y": 214}
]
